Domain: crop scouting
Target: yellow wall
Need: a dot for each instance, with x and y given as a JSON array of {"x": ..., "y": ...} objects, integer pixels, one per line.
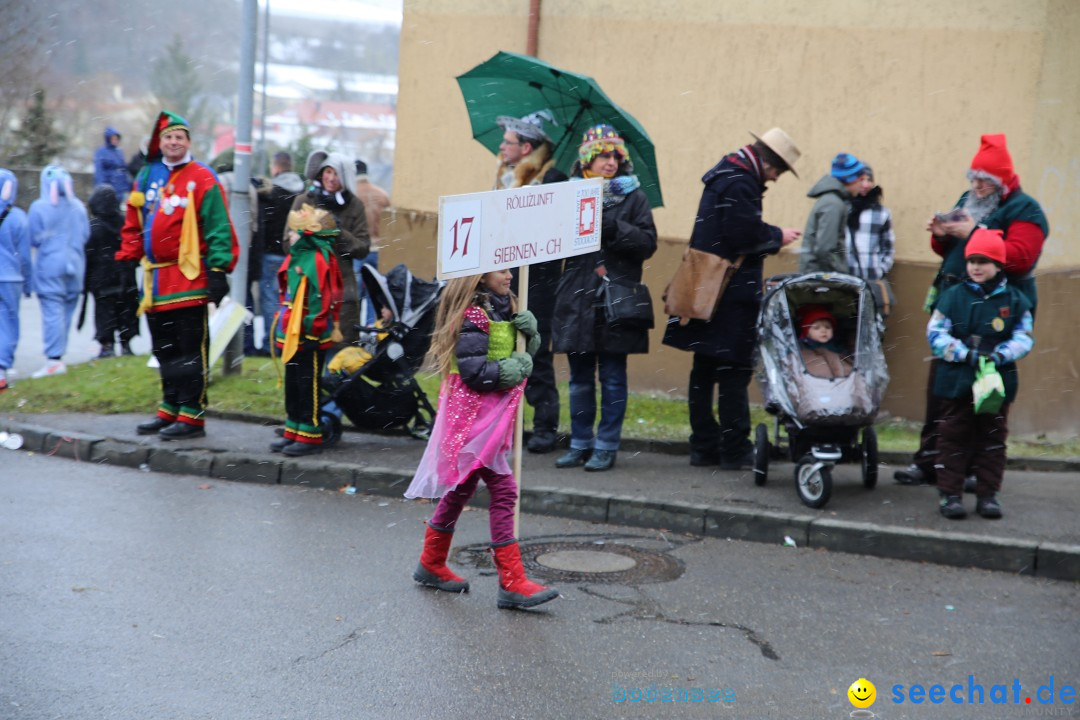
[{"x": 907, "y": 85}]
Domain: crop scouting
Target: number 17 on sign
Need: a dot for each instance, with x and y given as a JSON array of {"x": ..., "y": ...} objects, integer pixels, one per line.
[{"x": 460, "y": 243}]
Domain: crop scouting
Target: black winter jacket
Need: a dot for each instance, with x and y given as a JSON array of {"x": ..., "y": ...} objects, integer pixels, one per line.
[
  {"x": 475, "y": 369},
  {"x": 104, "y": 275},
  {"x": 729, "y": 224},
  {"x": 627, "y": 240}
]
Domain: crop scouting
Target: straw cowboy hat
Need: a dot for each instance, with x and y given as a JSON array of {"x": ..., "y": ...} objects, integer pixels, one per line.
[{"x": 781, "y": 143}]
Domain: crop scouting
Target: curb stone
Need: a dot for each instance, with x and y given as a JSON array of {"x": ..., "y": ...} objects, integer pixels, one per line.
[
  {"x": 682, "y": 447},
  {"x": 1027, "y": 557},
  {"x": 960, "y": 549}
]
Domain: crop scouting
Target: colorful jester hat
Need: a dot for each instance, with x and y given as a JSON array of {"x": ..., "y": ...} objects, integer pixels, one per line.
[{"x": 166, "y": 121}]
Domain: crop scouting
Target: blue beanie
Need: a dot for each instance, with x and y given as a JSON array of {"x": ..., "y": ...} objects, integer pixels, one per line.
[{"x": 847, "y": 168}]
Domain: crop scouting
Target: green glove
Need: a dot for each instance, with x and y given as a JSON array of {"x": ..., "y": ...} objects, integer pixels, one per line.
[
  {"x": 526, "y": 362},
  {"x": 525, "y": 322},
  {"x": 532, "y": 345},
  {"x": 514, "y": 369}
]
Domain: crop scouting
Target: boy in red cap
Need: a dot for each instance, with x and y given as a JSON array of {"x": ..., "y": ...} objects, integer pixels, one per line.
[
  {"x": 820, "y": 354},
  {"x": 982, "y": 317}
]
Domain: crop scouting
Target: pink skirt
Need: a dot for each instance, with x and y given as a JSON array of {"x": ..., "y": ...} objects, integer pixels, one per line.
[{"x": 472, "y": 430}]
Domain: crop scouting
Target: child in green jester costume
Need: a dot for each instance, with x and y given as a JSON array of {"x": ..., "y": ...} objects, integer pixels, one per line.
[
  {"x": 307, "y": 325},
  {"x": 177, "y": 226}
]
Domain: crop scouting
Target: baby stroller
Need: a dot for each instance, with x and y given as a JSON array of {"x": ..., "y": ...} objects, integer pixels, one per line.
[
  {"x": 821, "y": 416},
  {"x": 373, "y": 384}
]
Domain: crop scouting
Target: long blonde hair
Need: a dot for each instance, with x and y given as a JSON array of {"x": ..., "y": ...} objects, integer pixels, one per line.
[{"x": 456, "y": 297}]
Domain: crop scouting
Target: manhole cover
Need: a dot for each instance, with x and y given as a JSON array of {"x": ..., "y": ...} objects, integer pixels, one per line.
[{"x": 585, "y": 562}]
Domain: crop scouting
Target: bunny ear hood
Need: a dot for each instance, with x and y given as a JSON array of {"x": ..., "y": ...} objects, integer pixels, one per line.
[
  {"x": 55, "y": 184},
  {"x": 9, "y": 187}
]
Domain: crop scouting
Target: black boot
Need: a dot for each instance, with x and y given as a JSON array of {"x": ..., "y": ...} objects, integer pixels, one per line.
[
  {"x": 182, "y": 431},
  {"x": 152, "y": 427}
]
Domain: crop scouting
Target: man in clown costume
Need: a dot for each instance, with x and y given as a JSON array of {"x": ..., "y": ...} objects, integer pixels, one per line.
[{"x": 178, "y": 228}]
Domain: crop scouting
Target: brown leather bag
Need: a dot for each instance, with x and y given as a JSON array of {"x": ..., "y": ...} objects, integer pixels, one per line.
[{"x": 698, "y": 285}]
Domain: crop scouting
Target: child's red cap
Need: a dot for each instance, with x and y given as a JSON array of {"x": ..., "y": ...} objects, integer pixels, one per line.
[
  {"x": 809, "y": 314},
  {"x": 988, "y": 243}
]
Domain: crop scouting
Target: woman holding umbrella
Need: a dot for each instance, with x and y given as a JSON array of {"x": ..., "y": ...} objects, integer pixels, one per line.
[{"x": 594, "y": 347}]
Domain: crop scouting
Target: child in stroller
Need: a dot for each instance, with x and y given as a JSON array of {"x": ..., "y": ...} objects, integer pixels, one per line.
[
  {"x": 373, "y": 383},
  {"x": 822, "y": 373}
]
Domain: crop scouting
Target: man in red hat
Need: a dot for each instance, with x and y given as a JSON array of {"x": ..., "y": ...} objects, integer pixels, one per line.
[
  {"x": 178, "y": 227},
  {"x": 995, "y": 201}
]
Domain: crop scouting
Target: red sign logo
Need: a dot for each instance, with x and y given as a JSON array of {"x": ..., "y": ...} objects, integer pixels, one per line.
[{"x": 586, "y": 216}]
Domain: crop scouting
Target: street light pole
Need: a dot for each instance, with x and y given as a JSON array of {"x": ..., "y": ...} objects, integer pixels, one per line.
[{"x": 240, "y": 200}]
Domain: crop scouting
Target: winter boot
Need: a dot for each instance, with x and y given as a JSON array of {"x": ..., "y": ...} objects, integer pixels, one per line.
[
  {"x": 431, "y": 571},
  {"x": 516, "y": 590}
]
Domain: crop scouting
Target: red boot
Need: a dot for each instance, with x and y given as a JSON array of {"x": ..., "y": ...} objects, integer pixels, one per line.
[
  {"x": 432, "y": 571},
  {"x": 516, "y": 590}
]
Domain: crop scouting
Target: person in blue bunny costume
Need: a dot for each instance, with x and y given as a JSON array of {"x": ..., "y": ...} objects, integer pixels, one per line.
[
  {"x": 59, "y": 229},
  {"x": 15, "y": 269}
]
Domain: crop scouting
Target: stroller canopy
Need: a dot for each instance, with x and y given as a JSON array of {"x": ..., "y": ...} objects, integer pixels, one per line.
[{"x": 784, "y": 380}]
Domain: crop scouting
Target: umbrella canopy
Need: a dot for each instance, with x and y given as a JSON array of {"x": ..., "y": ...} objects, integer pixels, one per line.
[{"x": 518, "y": 85}]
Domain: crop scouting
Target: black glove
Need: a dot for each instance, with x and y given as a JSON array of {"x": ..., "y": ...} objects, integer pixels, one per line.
[
  {"x": 996, "y": 358},
  {"x": 217, "y": 285},
  {"x": 973, "y": 358}
]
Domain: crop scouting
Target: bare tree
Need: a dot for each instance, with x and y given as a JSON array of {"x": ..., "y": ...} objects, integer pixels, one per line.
[{"x": 23, "y": 57}]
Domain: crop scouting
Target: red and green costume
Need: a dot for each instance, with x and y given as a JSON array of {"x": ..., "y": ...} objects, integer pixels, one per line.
[
  {"x": 177, "y": 225},
  {"x": 310, "y": 283}
]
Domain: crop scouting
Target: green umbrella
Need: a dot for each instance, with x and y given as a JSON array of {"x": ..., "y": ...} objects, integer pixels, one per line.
[{"x": 519, "y": 85}]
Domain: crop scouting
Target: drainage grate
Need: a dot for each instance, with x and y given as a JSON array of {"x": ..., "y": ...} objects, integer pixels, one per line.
[{"x": 596, "y": 561}]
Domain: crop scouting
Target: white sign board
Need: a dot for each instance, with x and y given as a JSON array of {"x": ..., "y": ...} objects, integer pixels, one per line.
[{"x": 488, "y": 231}]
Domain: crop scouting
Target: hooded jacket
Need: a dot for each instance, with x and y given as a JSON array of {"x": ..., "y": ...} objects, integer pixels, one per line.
[
  {"x": 824, "y": 246},
  {"x": 103, "y": 274},
  {"x": 15, "y": 263},
  {"x": 110, "y": 167},
  {"x": 59, "y": 230}
]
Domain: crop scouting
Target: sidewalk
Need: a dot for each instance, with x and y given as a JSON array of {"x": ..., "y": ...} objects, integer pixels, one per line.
[{"x": 1039, "y": 535}]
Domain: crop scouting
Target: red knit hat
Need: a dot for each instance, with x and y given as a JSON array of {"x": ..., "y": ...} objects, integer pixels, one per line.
[
  {"x": 993, "y": 159},
  {"x": 809, "y": 314},
  {"x": 988, "y": 244}
]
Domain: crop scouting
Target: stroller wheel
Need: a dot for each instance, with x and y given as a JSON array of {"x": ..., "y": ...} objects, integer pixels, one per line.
[
  {"x": 813, "y": 482},
  {"x": 331, "y": 427},
  {"x": 761, "y": 454},
  {"x": 869, "y": 458}
]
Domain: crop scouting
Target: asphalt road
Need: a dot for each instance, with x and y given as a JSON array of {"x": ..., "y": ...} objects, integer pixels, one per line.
[{"x": 127, "y": 594}]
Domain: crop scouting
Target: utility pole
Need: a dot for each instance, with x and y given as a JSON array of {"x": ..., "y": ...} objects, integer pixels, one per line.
[{"x": 240, "y": 198}]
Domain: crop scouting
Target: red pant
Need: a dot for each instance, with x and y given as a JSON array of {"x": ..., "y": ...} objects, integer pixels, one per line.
[{"x": 502, "y": 491}]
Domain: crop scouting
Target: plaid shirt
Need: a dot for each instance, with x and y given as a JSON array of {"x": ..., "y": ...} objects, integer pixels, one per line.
[{"x": 870, "y": 248}]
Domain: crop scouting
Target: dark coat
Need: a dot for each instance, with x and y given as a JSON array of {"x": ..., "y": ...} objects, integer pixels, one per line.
[
  {"x": 729, "y": 224},
  {"x": 476, "y": 369},
  {"x": 104, "y": 275},
  {"x": 627, "y": 240}
]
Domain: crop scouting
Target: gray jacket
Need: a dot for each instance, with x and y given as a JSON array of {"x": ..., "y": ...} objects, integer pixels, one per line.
[{"x": 823, "y": 245}]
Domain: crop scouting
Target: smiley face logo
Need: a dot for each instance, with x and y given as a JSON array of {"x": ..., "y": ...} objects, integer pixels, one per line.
[{"x": 862, "y": 693}]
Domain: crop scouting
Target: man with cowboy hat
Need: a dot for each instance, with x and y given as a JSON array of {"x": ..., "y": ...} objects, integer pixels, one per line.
[
  {"x": 178, "y": 227},
  {"x": 729, "y": 224},
  {"x": 526, "y": 157}
]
